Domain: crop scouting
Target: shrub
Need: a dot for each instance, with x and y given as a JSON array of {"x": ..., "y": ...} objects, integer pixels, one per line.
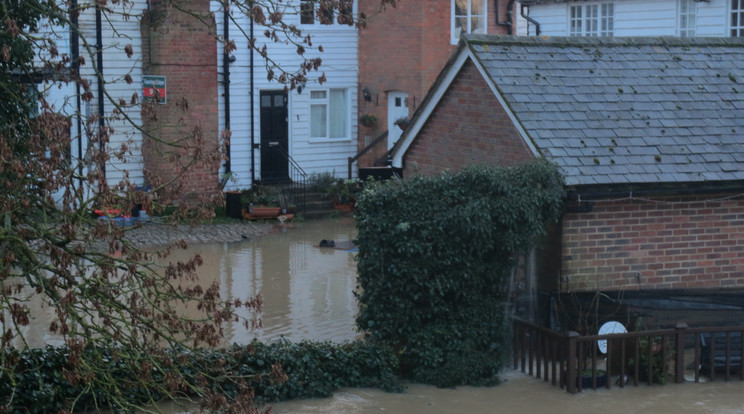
[
  {"x": 276, "y": 371},
  {"x": 434, "y": 253}
]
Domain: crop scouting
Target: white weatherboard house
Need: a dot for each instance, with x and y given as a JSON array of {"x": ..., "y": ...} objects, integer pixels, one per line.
[
  {"x": 621, "y": 18},
  {"x": 315, "y": 123},
  {"x": 116, "y": 66}
]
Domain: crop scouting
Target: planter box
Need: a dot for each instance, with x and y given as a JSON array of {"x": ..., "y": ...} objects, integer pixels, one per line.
[
  {"x": 264, "y": 211},
  {"x": 344, "y": 208}
]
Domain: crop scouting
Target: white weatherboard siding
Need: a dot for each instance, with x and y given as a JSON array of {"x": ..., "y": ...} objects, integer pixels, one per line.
[
  {"x": 340, "y": 65},
  {"x": 636, "y": 18},
  {"x": 120, "y": 27}
]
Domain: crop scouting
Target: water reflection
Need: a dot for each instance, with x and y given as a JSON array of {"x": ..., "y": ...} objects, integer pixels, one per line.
[{"x": 307, "y": 290}]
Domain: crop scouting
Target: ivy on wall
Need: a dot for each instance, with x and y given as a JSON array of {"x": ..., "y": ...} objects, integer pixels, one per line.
[{"x": 434, "y": 253}]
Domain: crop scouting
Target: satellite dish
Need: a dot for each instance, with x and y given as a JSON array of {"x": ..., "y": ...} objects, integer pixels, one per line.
[{"x": 610, "y": 327}]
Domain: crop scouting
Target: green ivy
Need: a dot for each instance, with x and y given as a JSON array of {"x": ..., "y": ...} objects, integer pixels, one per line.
[
  {"x": 434, "y": 254},
  {"x": 277, "y": 371}
]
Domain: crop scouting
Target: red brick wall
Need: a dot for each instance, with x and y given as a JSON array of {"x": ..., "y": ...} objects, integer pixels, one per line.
[
  {"x": 670, "y": 243},
  {"x": 469, "y": 126},
  {"x": 404, "y": 49},
  {"x": 183, "y": 50}
]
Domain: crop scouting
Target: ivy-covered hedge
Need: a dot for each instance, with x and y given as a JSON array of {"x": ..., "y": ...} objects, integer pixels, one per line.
[
  {"x": 434, "y": 254},
  {"x": 277, "y": 371}
]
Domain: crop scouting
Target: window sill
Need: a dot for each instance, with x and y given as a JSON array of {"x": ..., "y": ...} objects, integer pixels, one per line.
[
  {"x": 328, "y": 27},
  {"x": 328, "y": 140}
]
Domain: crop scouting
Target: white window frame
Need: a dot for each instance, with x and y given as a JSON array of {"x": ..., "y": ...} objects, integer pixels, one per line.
[
  {"x": 329, "y": 114},
  {"x": 686, "y": 18},
  {"x": 316, "y": 22},
  {"x": 593, "y": 20},
  {"x": 736, "y": 9},
  {"x": 454, "y": 36}
]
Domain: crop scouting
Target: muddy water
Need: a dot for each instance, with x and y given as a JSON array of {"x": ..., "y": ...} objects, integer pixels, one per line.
[
  {"x": 522, "y": 394},
  {"x": 307, "y": 291},
  {"x": 308, "y": 295}
]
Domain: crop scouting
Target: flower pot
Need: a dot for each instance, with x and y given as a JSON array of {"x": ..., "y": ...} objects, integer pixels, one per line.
[
  {"x": 344, "y": 208},
  {"x": 264, "y": 211}
]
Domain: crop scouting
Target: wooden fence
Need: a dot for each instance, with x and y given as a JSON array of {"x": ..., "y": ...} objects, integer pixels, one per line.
[{"x": 574, "y": 362}]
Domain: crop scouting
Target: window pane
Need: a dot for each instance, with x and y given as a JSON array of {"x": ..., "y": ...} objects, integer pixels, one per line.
[
  {"x": 461, "y": 25},
  {"x": 278, "y": 101},
  {"x": 307, "y": 12},
  {"x": 478, "y": 25},
  {"x": 326, "y": 13},
  {"x": 461, "y": 8},
  {"x": 575, "y": 12},
  {"x": 266, "y": 101},
  {"x": 338, "y": 113},
  {"x": 478, "y": 7},
  {"x": 317, "y": 94},
  {"x": 318, "y": 121}
]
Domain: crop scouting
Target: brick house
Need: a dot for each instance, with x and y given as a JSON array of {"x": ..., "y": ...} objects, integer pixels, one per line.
[
  {"x": 649, "y": 135},
  {"x": 401, "y": 52}
]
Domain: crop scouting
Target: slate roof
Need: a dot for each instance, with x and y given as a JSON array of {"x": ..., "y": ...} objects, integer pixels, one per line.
[{"x": 625, "y": 110}]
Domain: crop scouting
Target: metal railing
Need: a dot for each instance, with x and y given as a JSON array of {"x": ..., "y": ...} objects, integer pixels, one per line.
[
  {"x": 294, "y": 186},
  {"x": 573, "y": 361},
  {"x": 365, "y": 150}
]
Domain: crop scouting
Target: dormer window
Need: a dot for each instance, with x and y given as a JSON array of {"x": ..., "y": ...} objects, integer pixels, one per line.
[
  {"x": 592, "y": 20},
  {"x": 737, "y": 18}
]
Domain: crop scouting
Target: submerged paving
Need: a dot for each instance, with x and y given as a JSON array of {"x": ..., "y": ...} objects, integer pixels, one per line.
[{"x": 155, "y": 234}]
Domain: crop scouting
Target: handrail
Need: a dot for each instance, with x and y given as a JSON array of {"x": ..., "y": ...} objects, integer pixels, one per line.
[
  {"x": 297, "y": 189},
  {"x": 366, "y": 149},
  {"x": 571, "y": 361},
  {"x": 291, "y": 160}
]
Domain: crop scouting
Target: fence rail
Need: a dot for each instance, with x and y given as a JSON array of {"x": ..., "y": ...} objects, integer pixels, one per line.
[{"x": 574, "y": 362}]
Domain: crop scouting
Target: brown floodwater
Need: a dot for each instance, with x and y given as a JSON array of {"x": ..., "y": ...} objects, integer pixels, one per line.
[
  {"x": 308, "y": 294},
  {"x": 307, "y": 291},
  {"x": 520, "y": 393}
]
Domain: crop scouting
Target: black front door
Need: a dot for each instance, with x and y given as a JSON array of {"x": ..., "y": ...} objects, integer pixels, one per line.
[{"x": 274, "y": 137}]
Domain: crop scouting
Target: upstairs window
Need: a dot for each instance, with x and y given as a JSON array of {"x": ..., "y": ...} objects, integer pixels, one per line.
[
  {"x": 325, "y": 13},
  {"x": 329, "y": 113},
  {"x": 687, "y": 17},
  {"x": 468, "y": 16},
  {"x": 592, "y": 20},
  {"x": 737, "y": 18}
]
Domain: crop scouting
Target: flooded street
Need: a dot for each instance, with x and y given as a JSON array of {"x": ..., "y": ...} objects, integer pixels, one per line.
[
  {"x": 308, "y": 294},
  {"x": 307, "y": 291},
  {"x": 523, "y": 394}
]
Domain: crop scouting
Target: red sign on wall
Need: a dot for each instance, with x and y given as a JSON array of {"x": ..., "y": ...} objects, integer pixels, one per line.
[{"x": 153, "y": 89}]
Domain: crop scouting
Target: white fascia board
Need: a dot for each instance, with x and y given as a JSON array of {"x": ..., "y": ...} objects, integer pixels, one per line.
[
  {"x": 418, "y": 122},
  {"x": 465, "y": 54}
]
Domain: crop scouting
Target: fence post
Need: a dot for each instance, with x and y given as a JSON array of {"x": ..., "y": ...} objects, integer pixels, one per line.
[
  {"x": 679, "y": 366},
  {"x": 571, "y": 375}
]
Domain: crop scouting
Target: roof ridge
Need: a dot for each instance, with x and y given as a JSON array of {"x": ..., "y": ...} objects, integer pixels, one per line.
[{"x": 561, "y": 41}]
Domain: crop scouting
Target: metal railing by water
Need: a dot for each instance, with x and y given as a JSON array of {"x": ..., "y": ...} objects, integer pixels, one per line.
[
  {"x": 294, "y": 186},
  {"x": 681, "y": 354},
  {"x": 365, "y": 150}
]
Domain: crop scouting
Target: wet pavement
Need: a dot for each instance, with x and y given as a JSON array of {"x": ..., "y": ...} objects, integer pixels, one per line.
[{"x": 153, "y": 234}]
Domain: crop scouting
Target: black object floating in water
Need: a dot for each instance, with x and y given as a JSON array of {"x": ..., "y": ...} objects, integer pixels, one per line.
[{"x": 327, "y": 243}]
